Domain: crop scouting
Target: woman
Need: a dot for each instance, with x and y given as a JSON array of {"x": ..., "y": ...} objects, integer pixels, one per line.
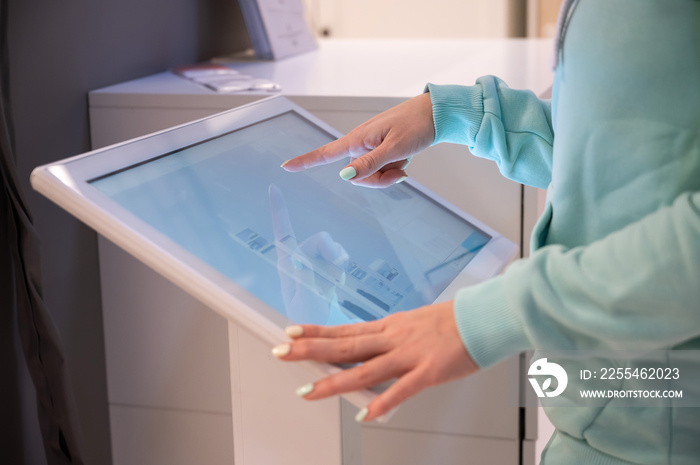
[{"x": 615, "y": 260}]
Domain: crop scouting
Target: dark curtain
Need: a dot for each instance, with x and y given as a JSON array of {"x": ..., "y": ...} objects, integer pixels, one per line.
[{"x": 20, "y": 294}]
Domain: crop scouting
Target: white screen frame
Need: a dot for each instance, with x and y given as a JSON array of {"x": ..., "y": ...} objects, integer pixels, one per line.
[{"x": 67, "y": 184}]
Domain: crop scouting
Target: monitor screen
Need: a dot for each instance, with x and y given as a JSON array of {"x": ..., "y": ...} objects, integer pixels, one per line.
[{"x": 315, "y": 248}]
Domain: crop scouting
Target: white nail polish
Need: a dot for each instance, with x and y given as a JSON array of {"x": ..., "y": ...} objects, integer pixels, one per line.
[
  {"x": 294, "y": 331},
  {"x": 305, "y": 389},
  {"x": 281, "y": 350},
  {"x": 361, "y": 415},
  {"x": 401, "y": 179},
  {"x": 348, "y": 173}
]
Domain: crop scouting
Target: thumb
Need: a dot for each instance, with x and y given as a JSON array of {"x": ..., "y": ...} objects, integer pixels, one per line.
[{"x": 371, "y": 162}]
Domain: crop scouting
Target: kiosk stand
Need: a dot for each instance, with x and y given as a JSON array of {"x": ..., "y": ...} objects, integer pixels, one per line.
[{"x": 182, "y": 380}]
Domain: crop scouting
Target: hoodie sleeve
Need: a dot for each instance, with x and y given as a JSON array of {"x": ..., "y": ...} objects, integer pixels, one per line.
[{"x": 508, "y": 126}]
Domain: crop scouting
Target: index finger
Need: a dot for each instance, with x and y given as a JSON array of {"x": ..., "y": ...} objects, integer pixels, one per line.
[
  {"x": 354, "y": 329},
  {"x": 333, "y": 151}
]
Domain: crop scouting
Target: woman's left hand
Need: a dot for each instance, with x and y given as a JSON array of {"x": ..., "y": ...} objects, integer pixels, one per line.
[{"x": 418, "y": 348}]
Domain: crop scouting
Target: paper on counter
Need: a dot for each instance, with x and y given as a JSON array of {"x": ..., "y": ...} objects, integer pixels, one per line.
[{"x": 223, "y": 79}]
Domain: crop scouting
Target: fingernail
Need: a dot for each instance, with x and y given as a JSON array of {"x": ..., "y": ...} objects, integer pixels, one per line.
[
  {"x": 282, "y": 165},
  {"x": 348, "y": 173},
  {"x": 361, "y": 415},
  {"x": 294, "y": 331},
  {"x": 401, "y": 179},
  {"x": 281, "y": 350},
  {"x": 305, "y": 389}
]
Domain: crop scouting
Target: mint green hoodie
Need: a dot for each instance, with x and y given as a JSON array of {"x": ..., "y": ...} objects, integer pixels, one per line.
[{"x": 615, "y": 260}]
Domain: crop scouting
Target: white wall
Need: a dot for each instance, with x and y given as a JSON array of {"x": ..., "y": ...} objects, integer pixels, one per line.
[{"x": 416, "y": 18}]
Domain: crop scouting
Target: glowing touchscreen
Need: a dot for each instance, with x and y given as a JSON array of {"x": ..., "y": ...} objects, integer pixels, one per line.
[{"x": 312, "y": 246}]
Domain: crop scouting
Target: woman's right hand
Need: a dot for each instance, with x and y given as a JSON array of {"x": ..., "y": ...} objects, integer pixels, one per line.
[{"x": 381, "y": 148}]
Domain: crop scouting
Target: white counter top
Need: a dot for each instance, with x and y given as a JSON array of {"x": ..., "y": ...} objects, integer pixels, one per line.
[{"x": 393, "y": 68}]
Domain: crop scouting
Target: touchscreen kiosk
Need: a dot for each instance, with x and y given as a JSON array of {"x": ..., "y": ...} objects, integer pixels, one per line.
[{"x": 207, "y": 205}]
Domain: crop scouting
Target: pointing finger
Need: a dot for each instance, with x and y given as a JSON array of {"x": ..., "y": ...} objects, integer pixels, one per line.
[{"x": 333, "y": 151}]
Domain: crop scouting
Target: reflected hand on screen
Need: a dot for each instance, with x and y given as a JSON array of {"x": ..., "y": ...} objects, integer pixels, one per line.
[{"x": 309, "y": 271}]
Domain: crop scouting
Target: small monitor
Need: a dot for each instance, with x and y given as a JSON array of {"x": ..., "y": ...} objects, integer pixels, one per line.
[{"x": 207, "y": 205}]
